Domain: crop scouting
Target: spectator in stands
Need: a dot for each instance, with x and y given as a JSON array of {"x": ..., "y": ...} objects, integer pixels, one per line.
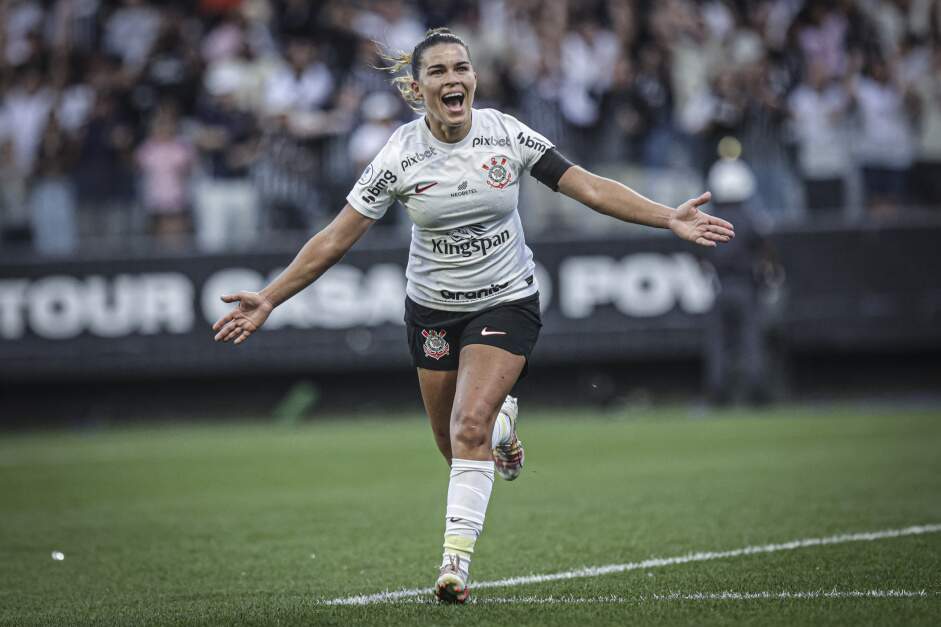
[
  {"x": 26, "y": 111},
  {"x": 288, "y": 166},
  {"x": 304, "y": 83},
  {"x": 76, "y": 96},
  {"x": 653, "y": 86},
  {"x": 74, "y": 25},
  {"x": 715, "y": 113},
  {"x": 296, "y": 18},
  {"x": 691, "y": 50},
  {"x": 52, "y": 198},
  {"x": 821, "y": 34},
  {"x": 819, "y": 109},
  {"x": 21, "y": 22},
  {"x": 131, "y": 31},
  {"x": 764, "y": 114},
  {"x": 103, "y": 174},
  {"x": 226, "y": 207},
  {"x": 392, "y": 23},
  {"x": 172, "y": 68},
  {"x": 13, "y": 209},
  {"x": 380, "y": 112},
  {"x": 253, "y": 68},
  {"x": 285, "y": 174},
  {"x": 302, "y": 112},
  {"x": 884, "y": 136},
  {"x": 335, "y": 29},
  {"x": 680, "y": 75},
  {"x": 927, "y": 173},
  {"x": 589, "y": 52},
  {"x": 165, "y": 161},
  {"x": 627, "y": 111},
  {"x": 225, "y": 40},
  {"x": 365, "y": 75}
]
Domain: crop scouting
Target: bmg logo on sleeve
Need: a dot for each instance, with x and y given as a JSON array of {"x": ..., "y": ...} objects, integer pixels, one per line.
[
  {"x": 529, "y": 142},
  {"x": 382, "y": 182}
]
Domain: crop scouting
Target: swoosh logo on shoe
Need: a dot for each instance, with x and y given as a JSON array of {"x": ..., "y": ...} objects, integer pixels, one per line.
[
  {"x": 419, "y": 188},
  {"x": 485, "y": 331}
]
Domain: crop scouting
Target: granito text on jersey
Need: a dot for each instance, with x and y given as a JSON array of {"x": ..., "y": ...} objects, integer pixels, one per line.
[{"x": 475, "y": 294}]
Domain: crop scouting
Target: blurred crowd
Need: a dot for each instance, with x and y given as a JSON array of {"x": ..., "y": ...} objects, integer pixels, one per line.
[{"x": 221, "y": 123}]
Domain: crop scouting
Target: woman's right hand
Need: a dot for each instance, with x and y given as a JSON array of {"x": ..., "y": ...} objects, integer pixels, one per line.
[{"x": 237, "y": 325}]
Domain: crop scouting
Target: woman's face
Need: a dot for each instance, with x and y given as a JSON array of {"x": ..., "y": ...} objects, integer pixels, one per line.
[{"x": 447, "y": 83}]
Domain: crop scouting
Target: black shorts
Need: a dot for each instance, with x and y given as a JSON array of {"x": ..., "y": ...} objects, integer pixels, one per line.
[{"x": 435, "y": 337}]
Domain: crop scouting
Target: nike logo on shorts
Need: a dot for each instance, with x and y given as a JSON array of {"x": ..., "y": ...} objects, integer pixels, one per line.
[
  {"x": 486, "y": 331},
  {"x": 419, "y": 188}
]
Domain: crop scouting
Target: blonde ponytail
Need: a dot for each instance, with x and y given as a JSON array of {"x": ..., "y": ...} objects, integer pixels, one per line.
[{"x": 397, "y": 63}]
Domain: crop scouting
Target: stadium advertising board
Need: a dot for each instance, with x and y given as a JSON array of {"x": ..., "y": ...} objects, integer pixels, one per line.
[{"x": 601, "y": 299}]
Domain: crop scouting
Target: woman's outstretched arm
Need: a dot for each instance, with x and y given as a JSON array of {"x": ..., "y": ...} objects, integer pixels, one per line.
[
  {"x": 619, "y": 201},
  {"x": 317, "y": 256}
]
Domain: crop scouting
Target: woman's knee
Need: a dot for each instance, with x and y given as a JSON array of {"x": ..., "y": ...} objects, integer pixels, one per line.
[{"x": 469, "y": 427}]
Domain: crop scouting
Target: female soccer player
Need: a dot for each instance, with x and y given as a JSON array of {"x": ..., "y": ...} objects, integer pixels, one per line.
[{"x": 472, "y": 307}]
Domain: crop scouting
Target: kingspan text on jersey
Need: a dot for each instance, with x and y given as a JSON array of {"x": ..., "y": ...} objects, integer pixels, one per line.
[{"x": 468, "y": 248}]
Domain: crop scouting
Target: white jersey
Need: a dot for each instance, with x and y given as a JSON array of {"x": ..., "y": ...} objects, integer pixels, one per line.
[{"x": 467, "y": 251}]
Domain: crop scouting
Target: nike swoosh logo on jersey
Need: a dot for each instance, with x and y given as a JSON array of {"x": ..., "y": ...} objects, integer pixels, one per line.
[
  {"x": 419, "y": 188},
  {"x": 485, "y": 331}
]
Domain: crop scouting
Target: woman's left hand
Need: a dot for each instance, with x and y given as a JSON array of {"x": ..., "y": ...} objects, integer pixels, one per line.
[{"x": 691, "y": 224}]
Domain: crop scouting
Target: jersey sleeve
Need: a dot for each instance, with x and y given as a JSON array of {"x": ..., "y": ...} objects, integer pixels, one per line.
[
  {"x": 377, "y": 187},
  {"x": 530, "y": 145}
]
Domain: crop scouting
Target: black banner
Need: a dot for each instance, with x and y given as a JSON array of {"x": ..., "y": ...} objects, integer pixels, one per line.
[{"x": 603, "y": 299}]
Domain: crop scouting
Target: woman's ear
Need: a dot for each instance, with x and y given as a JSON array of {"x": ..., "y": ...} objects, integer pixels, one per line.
[{"x": 414, "y": 87}]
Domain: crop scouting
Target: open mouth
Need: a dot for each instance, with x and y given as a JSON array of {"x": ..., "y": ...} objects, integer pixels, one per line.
[{"x": 453, "y": 101}]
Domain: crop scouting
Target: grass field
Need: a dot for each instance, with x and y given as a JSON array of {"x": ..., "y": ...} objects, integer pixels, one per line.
[{"x": 253, "y": 524}]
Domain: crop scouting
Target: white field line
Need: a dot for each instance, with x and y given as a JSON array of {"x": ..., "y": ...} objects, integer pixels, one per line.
[
  {"x": 656, "y": 562},
  {"x": 813, "y": 594},
  {"x": 613, "y": 599}
]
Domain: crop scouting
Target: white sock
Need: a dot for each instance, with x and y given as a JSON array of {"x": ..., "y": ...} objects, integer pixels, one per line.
[
  {"x": 468, "y": 495},
  {"x": 501, "y": 430}
]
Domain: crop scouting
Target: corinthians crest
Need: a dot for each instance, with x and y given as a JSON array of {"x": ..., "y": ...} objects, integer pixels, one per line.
[
  {"x": 435, "y": 345},
  {"x": 498, "y": 175}
]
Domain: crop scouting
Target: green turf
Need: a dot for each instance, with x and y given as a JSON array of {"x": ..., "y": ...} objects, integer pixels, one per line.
[{"x": 241, "y": 524}]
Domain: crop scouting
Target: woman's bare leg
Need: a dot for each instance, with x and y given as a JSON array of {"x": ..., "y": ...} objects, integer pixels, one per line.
[
  {"x": 437, "y": 393},
  {"x": 485, "y": 376}
]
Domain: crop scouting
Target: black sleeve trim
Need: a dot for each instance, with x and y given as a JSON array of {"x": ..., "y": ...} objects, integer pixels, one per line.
[{"x": 550, "y": 168}]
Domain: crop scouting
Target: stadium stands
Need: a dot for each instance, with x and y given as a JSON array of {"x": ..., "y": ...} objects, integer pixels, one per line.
[{"x": 213, "y": 124}]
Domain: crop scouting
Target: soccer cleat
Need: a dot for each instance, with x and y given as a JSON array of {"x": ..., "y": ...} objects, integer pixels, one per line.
[
  {"x": 508, "y": 458},
  {"x": 451, "y": 586}
]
